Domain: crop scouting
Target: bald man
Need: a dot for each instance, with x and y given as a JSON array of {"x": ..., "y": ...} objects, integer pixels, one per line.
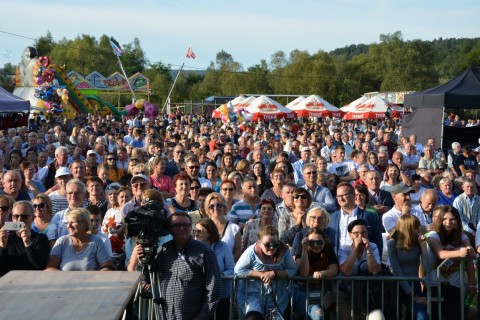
[{"x": 424, "y": 210}]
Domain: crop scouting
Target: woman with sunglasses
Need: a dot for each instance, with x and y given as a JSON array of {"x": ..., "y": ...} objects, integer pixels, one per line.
[
  {"x": 227, "y": 190},
  {"x": 216, "y": 209},
  {"x": 42, "y": 206},
  {"x": 113, "y": 173},
  {"x": 206, "y": 231},
  {"x": 267, "y": 260},
  {"x": 195, "y": 189},
  {"x": 316, "y": 258},
  {"x": 268, "y": 217},
  {"x": 295, "y": 221}
]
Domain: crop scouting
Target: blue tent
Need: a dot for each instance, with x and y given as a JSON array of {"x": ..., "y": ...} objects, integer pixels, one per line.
[{"x": 10, "y": 103}]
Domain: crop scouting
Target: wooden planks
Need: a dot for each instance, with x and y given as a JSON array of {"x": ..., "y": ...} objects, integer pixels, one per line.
[{"x": 66, "y": 294}]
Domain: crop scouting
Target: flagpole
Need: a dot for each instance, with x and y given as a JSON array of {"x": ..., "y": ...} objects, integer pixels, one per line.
[
  {"x": 173, "y": 85},
  {"x": 126, "y": 78}
]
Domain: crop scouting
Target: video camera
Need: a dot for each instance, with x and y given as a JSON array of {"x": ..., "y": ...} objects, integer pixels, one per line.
[{"x": 148, "y": 223}]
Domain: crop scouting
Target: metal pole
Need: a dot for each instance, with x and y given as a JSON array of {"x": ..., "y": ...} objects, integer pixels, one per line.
[
  {"x": 126, "y": 78},
  {"x": 173, "y": 85},
  {"x": 443, "y": 124}
]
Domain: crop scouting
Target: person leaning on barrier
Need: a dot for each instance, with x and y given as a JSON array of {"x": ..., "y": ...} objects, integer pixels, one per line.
[
  {"x": 360, "y": 258},
  {"x": 447, "y": 241},
  {"x": 267, "y": 262},
  {"x": 24, "y": 249}
]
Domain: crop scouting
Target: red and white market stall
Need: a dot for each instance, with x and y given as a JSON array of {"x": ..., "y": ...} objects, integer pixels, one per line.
[
  {"x": 373, "y": 108},
  {"x": 315, "y": 106},
  {"x": 352, "y": 105},
  {"x": 265, "y": 108}
]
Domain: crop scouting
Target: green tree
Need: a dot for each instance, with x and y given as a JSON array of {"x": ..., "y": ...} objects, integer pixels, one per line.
[
  {"x": 134, "y": 58},
  {"x": 44, "y": 44}
]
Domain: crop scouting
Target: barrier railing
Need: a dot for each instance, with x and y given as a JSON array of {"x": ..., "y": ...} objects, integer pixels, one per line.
[{"x": 342, "y": 287}]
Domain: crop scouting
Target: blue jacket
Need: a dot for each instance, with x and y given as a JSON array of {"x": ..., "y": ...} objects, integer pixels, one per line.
[{"x": 373, "y": 228}]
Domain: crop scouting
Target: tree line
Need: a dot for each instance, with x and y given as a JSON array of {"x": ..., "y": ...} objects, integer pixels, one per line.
[{"x": 339, "y": 76}]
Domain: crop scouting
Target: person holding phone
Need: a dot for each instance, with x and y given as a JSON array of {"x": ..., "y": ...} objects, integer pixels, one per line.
[{"x": 23, "y": 248}]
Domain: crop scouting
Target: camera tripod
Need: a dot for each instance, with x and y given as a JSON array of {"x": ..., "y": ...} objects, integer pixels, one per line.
[{"x": 149, "y": 301}]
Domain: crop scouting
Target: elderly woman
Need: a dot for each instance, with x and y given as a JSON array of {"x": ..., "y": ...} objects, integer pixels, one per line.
[
  {"x": 206, "y": 231},
  {"x": 265, "y": 261},
  {"x": 42, "y": 206},
  {"x": 181, "y": 202},
  {"x": 216, "y": 209},
  {"x": 33, "y": 186},
  {"x": 292, "y": 223},
  {"x": 79, "y": 250},
  {"x": 268, "y": 217},
  {"x": 446, "y": 195}
]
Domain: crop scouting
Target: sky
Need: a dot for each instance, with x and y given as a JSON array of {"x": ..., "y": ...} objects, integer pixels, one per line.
[{"x": 250, "y": 30}]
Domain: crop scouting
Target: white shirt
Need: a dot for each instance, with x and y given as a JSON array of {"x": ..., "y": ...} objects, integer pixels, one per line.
[
  {"x": 345, "y": 220},
  {"x": 389, "y": 218}
]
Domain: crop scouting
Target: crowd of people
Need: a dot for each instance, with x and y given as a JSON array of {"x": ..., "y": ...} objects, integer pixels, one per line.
[{"x": 266, "y": 199}]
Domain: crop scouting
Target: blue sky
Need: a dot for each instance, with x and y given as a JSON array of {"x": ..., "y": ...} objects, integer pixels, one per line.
[{"x": 249, "y": 30}]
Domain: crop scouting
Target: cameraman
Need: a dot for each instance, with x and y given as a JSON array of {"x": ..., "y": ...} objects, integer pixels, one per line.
[{"x": 191, "y": 290}]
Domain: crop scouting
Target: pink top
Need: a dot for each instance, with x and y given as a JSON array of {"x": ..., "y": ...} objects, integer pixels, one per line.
[{"x": 164, "y": 184}]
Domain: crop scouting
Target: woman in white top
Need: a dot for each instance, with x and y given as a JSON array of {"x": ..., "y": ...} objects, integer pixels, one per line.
[{"x": 229, "y": 232}]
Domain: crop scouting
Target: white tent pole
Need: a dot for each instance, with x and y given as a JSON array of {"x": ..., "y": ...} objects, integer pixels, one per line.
[{"x": 443, "y": 124}]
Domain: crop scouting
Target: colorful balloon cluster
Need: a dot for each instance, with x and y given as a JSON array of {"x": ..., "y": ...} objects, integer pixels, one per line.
[
  {"x": 230, "y": 114},
  {"x": 48, "y": 90},
  {"x": 151, "y": 110}
]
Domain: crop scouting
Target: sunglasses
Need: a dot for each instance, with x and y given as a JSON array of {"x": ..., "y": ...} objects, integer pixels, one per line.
[
  {"x": 227, "y": 189},
  {"x": 302, "y": 196},
  {"x": 24, "y": 216},
  {"x": 110, "y": 159},
  {"x": 181, "y": 225},
  {"x": 40, "y": 206},
  {"x": 313, "y": 243},
  {"x": 271, "y": 245},
  {"x": 216, "y": 205},
  {"x": 195, "y": 188},
  {"x": 194, "y": 167}
]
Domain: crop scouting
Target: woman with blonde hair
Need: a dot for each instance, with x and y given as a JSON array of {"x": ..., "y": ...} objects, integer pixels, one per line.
[
  {"x": 407, "y": 251},
  {"x": 79, "y": 250},
  {"x": 216, "y": 208},
  {"x": 244, "y": 167}
]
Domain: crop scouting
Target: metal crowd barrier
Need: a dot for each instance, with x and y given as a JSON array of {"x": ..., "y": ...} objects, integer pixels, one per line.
[{"x": 382, "y": 282}]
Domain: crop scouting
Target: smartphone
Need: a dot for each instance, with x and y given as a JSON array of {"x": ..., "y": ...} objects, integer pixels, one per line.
[{"x": 14, "y": 226}]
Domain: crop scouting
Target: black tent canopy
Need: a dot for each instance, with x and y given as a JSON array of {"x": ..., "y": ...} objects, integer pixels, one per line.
[{"x": 426, "y": 120}]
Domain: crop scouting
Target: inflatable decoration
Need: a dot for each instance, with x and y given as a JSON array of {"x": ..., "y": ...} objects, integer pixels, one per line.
[
  {"x": 131, "y": 110},
  {"x": 48, "y": 90},
  {"x": 151, "y": 110},
  {"x": 139, "y": 104},
  {"x": 244, "y": 115}
]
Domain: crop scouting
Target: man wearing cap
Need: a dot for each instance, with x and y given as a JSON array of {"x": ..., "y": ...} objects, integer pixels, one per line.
[
  {"x": 298, "y": 165},
  {"x": 424, "y": 210},
  {"x": 401, "y": 197},
  {"x": 61, "y": 158},
  {"x": 140, "y": 183},
  {"x": 59, "y": 195}
]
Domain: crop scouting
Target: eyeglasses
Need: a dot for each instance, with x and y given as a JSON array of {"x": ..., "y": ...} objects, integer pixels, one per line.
[
  {"x": 343, "y": 195},
  {"x": 5, "y": 208},
  {"x": 227, "y": 189},
  {"x": 271, "y": 245},
  {"x": 311, "y": 172},
  {"x": 215, "y": 205},
  {"x": 139, "y": 185},
  {"x": 39, "y": 206},
  {"x": 356, "y": 233},
  {"x": 139, "y": 172},
  {"x": 317, "y": 218},
  {"x": 179, "y": 152},
  {"x": 23, "y": 216},
  {"x": 313, "y": 243},
  {"x": 194, "y": 167},
  {"x": 75, "y": 194},
  {"x": 181, "y": 225},
  {"x": 110, "y": 159},
  {"x": 195, "y": 188},
  {"x": 301, "y": 196}
]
